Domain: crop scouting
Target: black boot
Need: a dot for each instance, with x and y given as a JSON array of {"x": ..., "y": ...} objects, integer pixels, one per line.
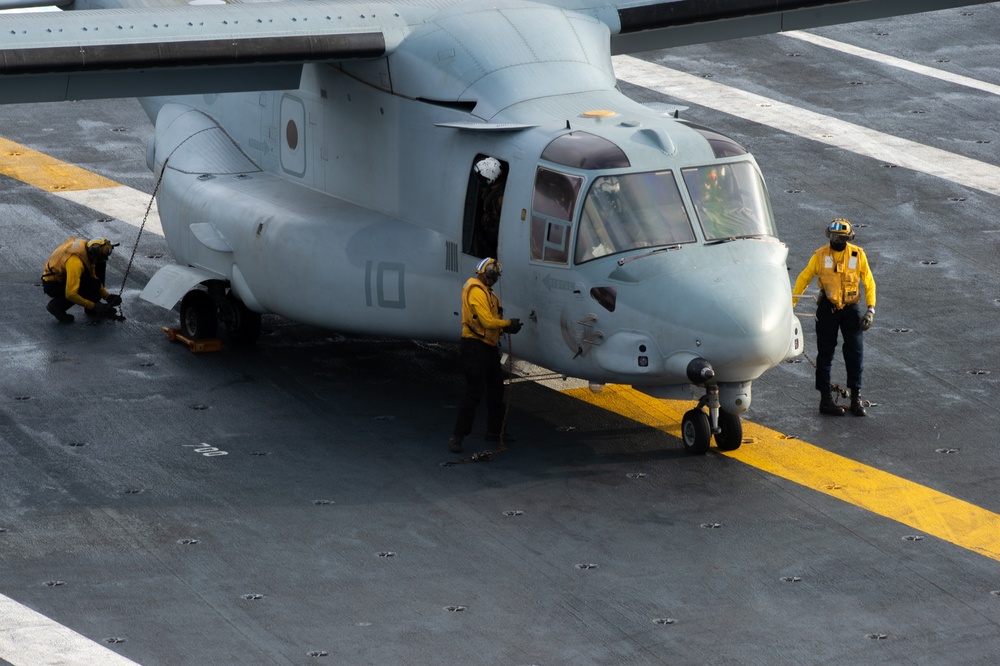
[
  {"x": 856, "y": 407},
  {"x": 59, "y": 313},
  {"x": 828, "y": 406},
  {"x": 455, "y": 444}
]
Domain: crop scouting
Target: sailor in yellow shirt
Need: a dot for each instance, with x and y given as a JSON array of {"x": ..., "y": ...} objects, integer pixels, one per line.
[
  {"x": 842, "y": 268},
  {"x": 481, "y": 328},
  {"x": 74, "y": 275}
]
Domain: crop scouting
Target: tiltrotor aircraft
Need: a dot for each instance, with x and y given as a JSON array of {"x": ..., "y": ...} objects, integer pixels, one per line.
[{"x": 320, "y": 166}]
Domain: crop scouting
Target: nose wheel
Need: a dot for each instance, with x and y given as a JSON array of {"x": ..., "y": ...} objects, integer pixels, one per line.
[
  {"x": 730, "y": 434},
  {"x": 697, "y": 427},
  {"x": 696, "y": 432}
]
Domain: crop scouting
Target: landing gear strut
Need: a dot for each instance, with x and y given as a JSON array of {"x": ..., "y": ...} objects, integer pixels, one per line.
[{"x": 697, "y": 427}]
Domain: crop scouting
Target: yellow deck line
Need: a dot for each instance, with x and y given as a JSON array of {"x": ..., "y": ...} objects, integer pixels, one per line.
[
  {"x": 925, "y": 510},
  {"x": 46, "y": 173}
]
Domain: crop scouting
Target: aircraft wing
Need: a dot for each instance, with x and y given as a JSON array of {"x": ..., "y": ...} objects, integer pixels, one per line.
[
  {"x": 164, "y": 50},
  {"x": 145, "y": 48},
  {"x": 646, "y": 25}
]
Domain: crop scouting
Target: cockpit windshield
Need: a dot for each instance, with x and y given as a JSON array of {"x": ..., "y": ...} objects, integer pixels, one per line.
[
  {"x": 630, "y": 211},
  {"x": 730, "y": 200}
]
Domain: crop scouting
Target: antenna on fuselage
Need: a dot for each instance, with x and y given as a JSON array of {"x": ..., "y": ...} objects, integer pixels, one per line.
[{"x": 567, "y": 124}]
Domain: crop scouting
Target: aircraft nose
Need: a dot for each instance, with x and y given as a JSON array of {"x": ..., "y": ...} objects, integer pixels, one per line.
[
  {"x": 736, "y": 317},
  {"x": 730, "y": 306}
]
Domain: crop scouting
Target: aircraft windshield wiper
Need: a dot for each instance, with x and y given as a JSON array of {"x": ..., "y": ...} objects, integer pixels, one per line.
[
  {"x": 732, "y": 238},
  {"x": 625, "y": 260}
]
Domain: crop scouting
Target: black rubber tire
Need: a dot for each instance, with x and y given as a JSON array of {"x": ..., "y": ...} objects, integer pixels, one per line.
[
  {"x": 245, "y": 328},
  {"x": 199, "y": 320},
  {"x": 696, "y": 432},
  {"x": 731, "y": 431}
]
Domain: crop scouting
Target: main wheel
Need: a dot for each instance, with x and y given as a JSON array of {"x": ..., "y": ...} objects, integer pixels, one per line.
[
  {"x": 198, "y": 316},
  {"x": 244, "y": 323},
  {"x": 730, "y": 434},
  {"x": 696, "y": 433}
]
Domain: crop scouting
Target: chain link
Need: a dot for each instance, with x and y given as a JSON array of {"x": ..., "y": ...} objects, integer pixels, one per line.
[
  {"x": 135, "y": 247},
  {"x": 834, "y": 388}
]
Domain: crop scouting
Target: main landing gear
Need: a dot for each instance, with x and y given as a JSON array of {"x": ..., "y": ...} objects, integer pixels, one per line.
[
  {"x": 203, "y": 311},
  {"x": 697, "y": 427}
]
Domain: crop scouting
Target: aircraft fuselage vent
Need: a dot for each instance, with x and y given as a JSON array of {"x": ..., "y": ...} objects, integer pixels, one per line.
[
  {"x": 467, "y": 107},
  {"x": 451, "y": 256}
]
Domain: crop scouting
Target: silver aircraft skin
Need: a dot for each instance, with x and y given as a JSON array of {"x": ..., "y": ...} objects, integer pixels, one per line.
[{"x": 637, "y": 248}]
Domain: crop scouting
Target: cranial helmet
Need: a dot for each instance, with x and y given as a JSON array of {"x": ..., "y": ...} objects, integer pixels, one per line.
[
  {"x": 489, "y": 267},
  {"x": 609, "y": 185},
  {"x": 840, "y": 227},
  {"x": 488, "y": 168},
  {"x": 100, "y": 248}
]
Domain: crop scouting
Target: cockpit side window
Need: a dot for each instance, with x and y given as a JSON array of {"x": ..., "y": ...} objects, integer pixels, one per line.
[
  {"x": 630, "y": 211},
  {"x": 730, "y": 201},
  {"x": 552, "y": 208},
  {"x": 722, "y": 145}
]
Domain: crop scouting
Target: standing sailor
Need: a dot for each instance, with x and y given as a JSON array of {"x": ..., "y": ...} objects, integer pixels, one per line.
[
  {"x": 842, "y": 268},
  {"x": 481, "y": 328}
]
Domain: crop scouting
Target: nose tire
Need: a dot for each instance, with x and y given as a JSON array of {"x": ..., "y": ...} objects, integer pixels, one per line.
[
  {"x": 730, "y": 434},
  {"x": 696, "y": 432}
]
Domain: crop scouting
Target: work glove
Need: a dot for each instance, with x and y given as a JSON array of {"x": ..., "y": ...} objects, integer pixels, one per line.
[
  {"x": 102, "y": 309},
  {"x": 867, "y": 319},
  {"x": 114, "y": 300},
  {"x": 515, "y": 326}
]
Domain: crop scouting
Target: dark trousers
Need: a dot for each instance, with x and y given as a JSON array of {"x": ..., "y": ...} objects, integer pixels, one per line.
[
  {"x": 56, "y": 290},
  {"x": 483, "y": 373},
  {"x": 829, "y": 322}
]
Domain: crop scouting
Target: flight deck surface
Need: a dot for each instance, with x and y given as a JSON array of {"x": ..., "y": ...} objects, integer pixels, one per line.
[{"x": 293, "y": 503}]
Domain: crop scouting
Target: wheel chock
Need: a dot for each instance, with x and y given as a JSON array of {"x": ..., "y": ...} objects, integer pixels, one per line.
[{"x": 196, "y": 346}]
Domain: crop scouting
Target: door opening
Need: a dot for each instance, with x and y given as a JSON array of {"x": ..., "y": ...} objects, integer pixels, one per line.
[{"x": 483, "y": 204}]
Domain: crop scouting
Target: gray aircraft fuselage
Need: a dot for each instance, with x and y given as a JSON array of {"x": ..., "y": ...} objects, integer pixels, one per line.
[{"x": 348, "y": 204}]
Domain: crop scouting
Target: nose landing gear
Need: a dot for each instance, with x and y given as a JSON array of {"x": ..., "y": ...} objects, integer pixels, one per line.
[{"x": 697, "y": 427}]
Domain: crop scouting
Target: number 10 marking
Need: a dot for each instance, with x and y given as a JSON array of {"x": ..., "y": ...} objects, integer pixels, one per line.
[{"x": 388, "y": 288}]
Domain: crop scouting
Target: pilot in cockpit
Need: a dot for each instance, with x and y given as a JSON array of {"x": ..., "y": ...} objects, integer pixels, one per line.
[
  {"x": 617, "y": 216},
  {"x": 712, "y": 195},
  {"x": 610, "y": 193}
]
